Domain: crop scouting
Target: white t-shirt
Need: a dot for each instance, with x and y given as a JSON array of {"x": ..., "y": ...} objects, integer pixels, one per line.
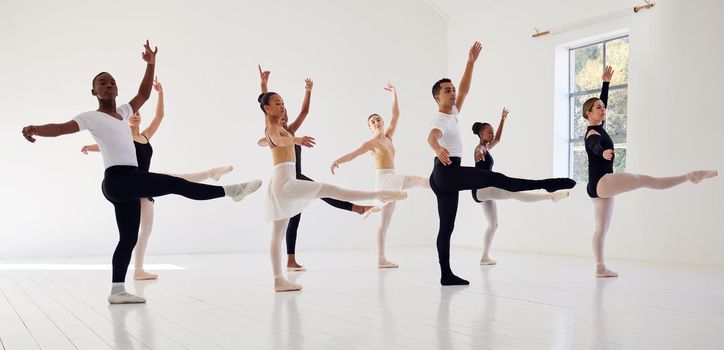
[
  {"x": 448, "y": 124},
  {"x": 113, "y": 136}
]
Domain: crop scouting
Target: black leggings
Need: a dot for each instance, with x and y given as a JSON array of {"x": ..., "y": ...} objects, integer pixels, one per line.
[
  {"x": 294, "y": 221},
  {"x": 124, "y": 186},
  {"x": 447, "y": 181}
]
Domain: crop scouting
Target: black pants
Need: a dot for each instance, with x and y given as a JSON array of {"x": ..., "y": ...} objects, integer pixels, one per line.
[
  {"x": 447, "y": 181},
  {"x": 124, "y": 186},
  {"x": 294, "y": 221}
]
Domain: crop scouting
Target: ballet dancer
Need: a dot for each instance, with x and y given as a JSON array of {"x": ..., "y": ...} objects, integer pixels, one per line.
[
  {"x": 449, "y": 177},
  {"x": 123, "y": 183},
  {"x": 287, "y": 196},
  {"x": 144, "y": 152},
  {"x": 603, "y": 183},
  {"x": 382, "y": 150}
]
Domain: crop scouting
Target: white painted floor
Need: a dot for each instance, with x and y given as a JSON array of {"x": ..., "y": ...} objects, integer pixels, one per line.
[{"x": 227, "y": 302}]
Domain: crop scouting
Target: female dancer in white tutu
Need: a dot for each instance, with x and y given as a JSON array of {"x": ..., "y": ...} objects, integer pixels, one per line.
[
  {"x": 383, "y": 152},
  {"x": 293, "y": 226},
  {"x": 287, "y": 196}
]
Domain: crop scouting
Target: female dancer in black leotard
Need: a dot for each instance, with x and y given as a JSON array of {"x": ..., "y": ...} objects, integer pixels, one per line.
[
  {"x": 603, "y": 183},
  {"x": 448, "y": 177},
  {"x": 124, "y": 184},
  {"x": 291, "y": 235},
  {"x": 487, "y": 196},
  {"x": 144, "y": 152}
]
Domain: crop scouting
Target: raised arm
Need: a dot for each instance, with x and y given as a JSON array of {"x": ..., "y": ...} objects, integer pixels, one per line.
[
  {"x": 606, "y": 77},
  {"x": 367, "y": 146},
  {"x": 156, "y": 122},
  {"x": 264, "y": 79},
  {"x": 50, "y": 130},
  {"x": 308, "y": 85},
  {"x": 395, "y": 111},
  {"x": 467, "y": 75},
  {"x": 442, "y": 153},
  {"x": 499, "y": 132},
  {"x": 90, "y": 148},
  {"x": 144, "y": 91}
]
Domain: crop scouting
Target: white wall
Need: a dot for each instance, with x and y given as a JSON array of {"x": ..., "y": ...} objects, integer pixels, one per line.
[
  {"x": 674, "y": 102},
  {"x": 208, "y": 52}
]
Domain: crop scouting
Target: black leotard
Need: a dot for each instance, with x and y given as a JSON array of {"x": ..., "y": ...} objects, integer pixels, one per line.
[
  {"x": 485, "y": 164},
  {"x": 595, "y": 145}
]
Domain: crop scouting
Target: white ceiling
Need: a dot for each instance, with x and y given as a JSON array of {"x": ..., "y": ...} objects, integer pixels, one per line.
[{"x": 453, "y": 8}]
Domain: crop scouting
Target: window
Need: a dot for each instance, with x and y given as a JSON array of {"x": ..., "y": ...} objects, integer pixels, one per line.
[{"x": 586, "y": 66}]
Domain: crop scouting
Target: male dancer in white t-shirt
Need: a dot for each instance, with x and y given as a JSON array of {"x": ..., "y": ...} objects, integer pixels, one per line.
[
  {"x": 449, "y": 177},
  {"x": 124, "y": 184}
]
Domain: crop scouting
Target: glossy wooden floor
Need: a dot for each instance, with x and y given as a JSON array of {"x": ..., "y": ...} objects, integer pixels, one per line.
[{"x": 227, "y": 302}]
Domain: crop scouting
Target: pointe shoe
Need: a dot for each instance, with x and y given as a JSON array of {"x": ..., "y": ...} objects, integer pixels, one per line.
[
  {"x": 556, "y": 196},
  {"x": 488, "y": 261},
  {"x": 287, "y": 286},
  {"x": 244, "y": 189},
  {"x": 369, "y": 211},
  {"x": 697, "y": 176},
  {"x": 144, "y": 276},
  {"x": 217, "y": 173},
  {"x": 125, "y": 298}
]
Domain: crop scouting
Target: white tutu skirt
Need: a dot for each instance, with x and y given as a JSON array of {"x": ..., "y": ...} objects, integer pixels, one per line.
[
  {"x": 287, "y": 196},
  {"x": 387, "y": 180}
]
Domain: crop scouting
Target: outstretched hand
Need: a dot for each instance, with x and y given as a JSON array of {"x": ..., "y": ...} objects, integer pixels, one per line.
[
  {"x": 149, "y": 55},
  {"x": 504, "y": 114},
  {"x": 28, "y": 133},
  {"x": 475, "y": 51},
  {"x": 308, "y": 84},
  {"x": 264, "y": 75},
  {"x": 607, "y": 74},
  {"x": 157, "y": 85},
  {"x": 307, "y": 141}
]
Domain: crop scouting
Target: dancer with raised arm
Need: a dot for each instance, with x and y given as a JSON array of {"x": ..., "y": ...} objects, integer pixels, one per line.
[
  {"x": 449, "y": 177},
  {"x": 293, "y": 227},
  {"x": 123, "y": 183},
  {"x": 382, "y": 150},
  {"x": 489, "y": 138},
  {"x": 287, "y": 196},
  {"x": 603, "y": 183},
  {"x": 144, "y": 152}
]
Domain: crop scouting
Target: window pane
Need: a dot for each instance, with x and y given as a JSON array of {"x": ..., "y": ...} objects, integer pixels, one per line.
[
  {"x": 616, "y": 115},
  {"x": 587, "y": 68},
  {"x": 579, "y": 162},
  {"x": 619, "y": 162},
  {"x": 617, "y": 57},
  {"x": 578, "y": 123}
]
